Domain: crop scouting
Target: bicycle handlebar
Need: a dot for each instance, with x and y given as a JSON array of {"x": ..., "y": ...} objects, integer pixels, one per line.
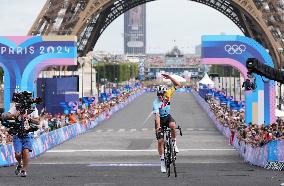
[
  {"x": 180, "y": 132},
  {"x": 179, "y": 128}
]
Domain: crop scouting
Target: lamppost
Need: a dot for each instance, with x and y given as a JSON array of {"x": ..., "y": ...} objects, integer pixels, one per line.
[
  {"x": 230, "y": 82},
  {"x": 234, "y": 75},
  {"x": 116, "y": 75},
  {"x": 93, "y": 61},
  {"x": 226, "y": 83},
  {"x": 280, "y": 50},
  {"x": 91, "y": 78},
  {"x": 129, "y": 67},
  {"x": 223, "y": 74},
  {"x": 280, "y": 97},
  {"x": 240, "y": 85},
  {"x": 81, "y": 62},
  {"x": 115, "y": 79},
  {"x": 98, "y": 79},
  {"x": 104, "y": 83},
  {"x": 82, "y": 79}
]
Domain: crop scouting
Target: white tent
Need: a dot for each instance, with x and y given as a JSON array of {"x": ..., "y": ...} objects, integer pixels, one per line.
[
  {"x": 206, "y": 81},
  {"x": 279, "y": 113}
]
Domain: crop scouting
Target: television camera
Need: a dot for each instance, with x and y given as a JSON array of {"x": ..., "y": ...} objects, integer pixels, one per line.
[
  {"x": 24, "y": 102},
  {"x": 20, "y": 125},
  {"x": 249, "y": 84}
]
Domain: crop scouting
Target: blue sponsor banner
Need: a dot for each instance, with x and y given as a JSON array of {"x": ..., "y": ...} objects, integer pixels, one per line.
[
  {"x": 281, "y": 151},
  {"x": 7, "y": 155},
  {"x": 272, "y": 150}
]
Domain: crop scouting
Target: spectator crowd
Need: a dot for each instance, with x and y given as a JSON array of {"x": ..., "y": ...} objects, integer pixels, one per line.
[
  {"x": 256, "y": 135},
  {"x": 83, "y": 115}
]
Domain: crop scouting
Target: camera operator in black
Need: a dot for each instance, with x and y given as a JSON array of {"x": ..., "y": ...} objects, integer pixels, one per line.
[
  {"x": 249, "y": 83},
  {"x": 21, "y": 121}
]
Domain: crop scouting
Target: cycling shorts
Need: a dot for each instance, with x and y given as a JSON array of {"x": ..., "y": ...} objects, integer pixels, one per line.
[
  {"x": 164, "y": 122},
  {"x": 22, "y": 143}
]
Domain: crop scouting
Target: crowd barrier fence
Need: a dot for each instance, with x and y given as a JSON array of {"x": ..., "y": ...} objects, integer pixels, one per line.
[
  {"x": 51, "y": 139},
  {"x": 270, "y": 155}
]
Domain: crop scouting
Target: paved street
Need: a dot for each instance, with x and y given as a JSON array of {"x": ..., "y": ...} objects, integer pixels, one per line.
[{"x": 122, "y": 151}]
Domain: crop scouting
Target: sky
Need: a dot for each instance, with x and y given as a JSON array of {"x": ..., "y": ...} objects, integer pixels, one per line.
[{"x": 169, "y": 23}]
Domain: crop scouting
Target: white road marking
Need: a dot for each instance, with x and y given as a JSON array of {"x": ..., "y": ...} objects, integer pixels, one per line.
[
  {"x": 99, "y": 130},
  {"x": 189, "y": 129},
  {"x": 124, "y": 165},
  {"x": 132, "y": 130},
  {"x": 144, "y": 129},
  {"x": 64, "y": 163},
  {"x": 124, "y": 150},
  {"x": 148, "y": 117},
  {"x": 121, "y": 130},
  {"x": 109, "y": 130},
  {"x": 200, "y": 129}
]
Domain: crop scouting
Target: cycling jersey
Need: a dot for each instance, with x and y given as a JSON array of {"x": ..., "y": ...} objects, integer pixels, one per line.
[{"x": 163, "y": 107}]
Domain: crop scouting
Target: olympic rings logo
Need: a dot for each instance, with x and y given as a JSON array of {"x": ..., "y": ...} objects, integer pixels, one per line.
[{"x": 235, "y": 49}]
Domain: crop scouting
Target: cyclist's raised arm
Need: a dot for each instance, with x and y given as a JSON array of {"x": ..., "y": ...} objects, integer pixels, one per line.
[{"x": 174, "y": 81}]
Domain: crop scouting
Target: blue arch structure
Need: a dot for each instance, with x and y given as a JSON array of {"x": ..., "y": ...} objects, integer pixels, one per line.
[
  {"x": 22, "y": 57},
  {"x": 234, "y": 51},
  {"x": 39, "y": 63}
]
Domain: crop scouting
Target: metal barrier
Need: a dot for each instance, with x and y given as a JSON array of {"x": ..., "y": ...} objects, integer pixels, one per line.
[{"x": 270, "y": 155}]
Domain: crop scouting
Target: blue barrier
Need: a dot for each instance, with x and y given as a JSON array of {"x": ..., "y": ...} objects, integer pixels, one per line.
[
  {"x": 234, "y": 105},
  {"x": 49, "y": 140},
  {"x": 260, "y": 156}
]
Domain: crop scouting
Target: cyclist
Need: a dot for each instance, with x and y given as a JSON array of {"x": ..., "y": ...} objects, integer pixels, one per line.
[{"x": 161, "y": 109}]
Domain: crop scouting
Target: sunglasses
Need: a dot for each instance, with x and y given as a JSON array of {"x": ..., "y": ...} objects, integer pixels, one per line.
[{"x": 160, "y": 94}]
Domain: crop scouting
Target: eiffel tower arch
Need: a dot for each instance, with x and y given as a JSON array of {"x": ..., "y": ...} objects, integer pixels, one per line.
[{"x": 87, "y": 19}]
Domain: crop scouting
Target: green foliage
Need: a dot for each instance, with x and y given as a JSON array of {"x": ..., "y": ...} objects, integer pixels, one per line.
[
  {"x": 224, "y": 71},
  {"x": 113, "y": 71}
]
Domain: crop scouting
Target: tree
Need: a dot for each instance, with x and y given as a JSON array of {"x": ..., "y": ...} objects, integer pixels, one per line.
[{"x": 116, "y": 71}]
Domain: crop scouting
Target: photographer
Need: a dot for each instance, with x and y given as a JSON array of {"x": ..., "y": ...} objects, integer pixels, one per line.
[{"x": 21, "y": 120}]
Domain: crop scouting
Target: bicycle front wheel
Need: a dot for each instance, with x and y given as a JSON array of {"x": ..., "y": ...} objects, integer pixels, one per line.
[
  {"x": 169, "y": 156},
  {"x": 173, "y": 157}
]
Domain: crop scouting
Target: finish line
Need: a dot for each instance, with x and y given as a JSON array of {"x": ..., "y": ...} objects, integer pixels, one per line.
[
  {"x": 124, "y": 165},
  {"x": 143, "y": 150}
]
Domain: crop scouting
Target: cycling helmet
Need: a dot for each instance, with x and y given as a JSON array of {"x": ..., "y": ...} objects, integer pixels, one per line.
[{"x": 161, "y": 89}]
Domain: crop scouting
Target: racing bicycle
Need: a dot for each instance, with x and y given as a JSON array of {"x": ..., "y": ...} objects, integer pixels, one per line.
[{"x": 169, "y": 150}]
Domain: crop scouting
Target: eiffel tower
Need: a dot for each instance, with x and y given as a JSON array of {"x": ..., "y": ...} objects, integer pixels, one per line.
[{"x": 261, "y": 20}]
